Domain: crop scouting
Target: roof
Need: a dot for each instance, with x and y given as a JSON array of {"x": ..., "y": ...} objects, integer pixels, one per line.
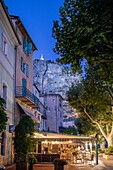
[
  {"x": 60, "y": 137},
  {"x": 23, "y": 29},
  {"x": 10, "y": 21}
]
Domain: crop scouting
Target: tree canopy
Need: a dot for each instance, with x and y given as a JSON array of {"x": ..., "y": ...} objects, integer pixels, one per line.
[
  {"x": 84, "y": 30},
  {"x": 94, "y": 100},
  {"x": 71, "y": 130},
  {"x": 3, "y": 115}
]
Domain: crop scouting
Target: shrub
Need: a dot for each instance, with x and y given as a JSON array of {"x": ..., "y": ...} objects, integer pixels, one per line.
[
  {"x": 109, "y": 150},
  {"x": 32, "y": 159},
  {"x": 61, "y": 162}
]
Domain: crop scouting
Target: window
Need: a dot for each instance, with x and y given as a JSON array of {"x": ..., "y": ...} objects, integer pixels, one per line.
[
  {"x": 25, "y": 44},
  {"x": 22, "y": 64},
  {"x": 27, "y": 47},
  {"x": 24, "y": 67},
  {"x": 4, "y": 44},
  {"x": 5, "y": 94}
]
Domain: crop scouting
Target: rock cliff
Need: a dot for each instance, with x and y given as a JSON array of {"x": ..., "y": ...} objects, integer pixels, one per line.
[{"x": 51, "y": 77}]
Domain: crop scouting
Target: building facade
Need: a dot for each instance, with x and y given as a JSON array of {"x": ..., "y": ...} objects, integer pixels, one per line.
[
  {"x": 53, "y": 103},
  {"x": 8, "y": 43}
]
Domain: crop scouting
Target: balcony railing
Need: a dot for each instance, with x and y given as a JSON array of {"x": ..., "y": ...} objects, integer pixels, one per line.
[{"x": 28, "y": 97}]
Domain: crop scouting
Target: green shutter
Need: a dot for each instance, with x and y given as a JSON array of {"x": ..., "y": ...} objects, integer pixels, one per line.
[
  {"x": 22, "y": 63},
  {"x": 24, "y": 85},
  {"x": 25, "y": 44},
  {"x": 29, "y": 48}
]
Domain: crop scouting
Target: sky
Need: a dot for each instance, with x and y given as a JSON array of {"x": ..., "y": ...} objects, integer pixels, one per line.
[{"x": 37, "y": 17}]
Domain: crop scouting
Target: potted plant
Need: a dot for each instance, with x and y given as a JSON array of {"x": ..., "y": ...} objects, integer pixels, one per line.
[
  {"x": 23, "y": 141},
  {"x": 59, "y": 164},
  {"x": 32, "y": 160}
]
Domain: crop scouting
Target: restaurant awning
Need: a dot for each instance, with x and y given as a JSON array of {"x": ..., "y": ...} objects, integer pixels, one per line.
[
  {"x": 29, "y": 113},
  {"x": 43, "y": 136}
]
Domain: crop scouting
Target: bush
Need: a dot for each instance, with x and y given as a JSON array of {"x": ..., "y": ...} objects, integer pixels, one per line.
[
  {"x": 32, "y": 159},
  {"x": 61, "y": 162},
  {"x": 109, "y": 150}
]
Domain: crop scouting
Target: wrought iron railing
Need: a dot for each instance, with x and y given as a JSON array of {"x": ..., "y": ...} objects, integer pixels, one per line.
[{"x": 24, "y": 92}]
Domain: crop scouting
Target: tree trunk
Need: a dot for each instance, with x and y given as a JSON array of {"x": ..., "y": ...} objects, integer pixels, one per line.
[{"x": 110, "y": 140}]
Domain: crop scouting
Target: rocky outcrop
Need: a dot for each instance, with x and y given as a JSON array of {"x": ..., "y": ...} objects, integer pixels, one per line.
[{"x": 51, "y": 77}]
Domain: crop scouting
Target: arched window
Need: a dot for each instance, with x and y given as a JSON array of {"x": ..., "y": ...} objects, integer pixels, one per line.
[{"x": 3, "y": 141}]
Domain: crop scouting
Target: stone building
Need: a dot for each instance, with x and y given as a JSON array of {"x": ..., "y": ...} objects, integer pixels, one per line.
[
  {"x": 8, "y": 44},
  {"x": 53, "y": 103}
]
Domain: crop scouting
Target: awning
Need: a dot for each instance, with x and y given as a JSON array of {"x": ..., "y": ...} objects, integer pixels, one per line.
[
  {"x": 42, "y": 136},
  {"x": 29, "y": 113}
]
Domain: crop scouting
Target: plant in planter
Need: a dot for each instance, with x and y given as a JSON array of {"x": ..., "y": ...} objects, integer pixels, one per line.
[
  {"x": 59, "y": 163},
  {"x": 23, "y": 141},
  {"x": 32, "y": 160}
]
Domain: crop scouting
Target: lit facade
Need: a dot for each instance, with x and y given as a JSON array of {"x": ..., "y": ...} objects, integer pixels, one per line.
[{"x": 8, "y": 43}]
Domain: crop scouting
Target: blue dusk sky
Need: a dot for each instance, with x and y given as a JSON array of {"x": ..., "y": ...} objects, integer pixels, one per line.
[{"x": 37, "y": 17}]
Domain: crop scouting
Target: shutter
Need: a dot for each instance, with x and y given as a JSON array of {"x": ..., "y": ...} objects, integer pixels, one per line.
[
  {"x": 22, "y": 63},
  {"x": 27, "y": 70},
  {"x": 25, "y": 44},
  {"x": 29, "y": 48}
]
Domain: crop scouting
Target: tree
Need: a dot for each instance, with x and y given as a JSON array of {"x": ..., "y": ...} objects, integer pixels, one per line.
[
  {"x": 3, "y": 115},
  {"x": 71, "y": 130},
  {"x": 85, "y": 126},
  {"x": 93, "y": 99},
  {"x": 22, "y": 139},
  {"x": 85, "y": 30}
]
